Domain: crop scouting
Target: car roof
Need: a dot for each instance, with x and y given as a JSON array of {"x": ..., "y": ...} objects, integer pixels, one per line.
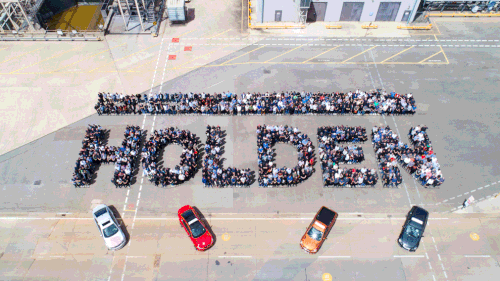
[
  {"x": 325, "y": 215},
  {"x": 104, "y": 217},
  {"x": 420, "y": 213}
]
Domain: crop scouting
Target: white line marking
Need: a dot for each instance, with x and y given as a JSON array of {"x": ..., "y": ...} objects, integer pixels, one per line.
[
  {"x": 433, "y": 277},
  {"x": 235, "y": 256},
  {"x": 477, "y": 256},
  {"x": 426, "y": 255},
  {"x": 334, "y": 257},
  {"x": 215, "y": 84},
  {"x": 487, "y": 185},
  {"x": 409, "y": 256},
  {"x": 124, "y": 267},
  {"x": 430, "y": 266},
  {"x": 445, "y": 275},
  {"x": 473, "y": 190},
  {"x": 439, "y": 256},
  {"x": 147, "y": 218},
  {"x": 480, "y": 188},
  {"x": 128, "y": 192}
]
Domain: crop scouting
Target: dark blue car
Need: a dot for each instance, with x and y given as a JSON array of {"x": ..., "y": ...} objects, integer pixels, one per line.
[{"x": 413, "y": 229}]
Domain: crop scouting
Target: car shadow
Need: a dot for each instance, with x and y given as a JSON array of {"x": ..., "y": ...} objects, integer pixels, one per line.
[
  {"x": 202, "y": 217},
  {"x": 121, "y": 222}
]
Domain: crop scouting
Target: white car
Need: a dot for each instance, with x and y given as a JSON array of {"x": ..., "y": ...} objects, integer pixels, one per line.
[{"x": 109, "y": 229}]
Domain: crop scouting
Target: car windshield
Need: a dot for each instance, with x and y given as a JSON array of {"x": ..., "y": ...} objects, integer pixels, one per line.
[
  {"x": 188, "y": 215},
  {"x": 315, "y": 234},
  {"x": 100, "y": 212},
  {"x": 110, "y": 231},
  {"x": 197, "y": 229},
  {"x": 413, "y": 231}
]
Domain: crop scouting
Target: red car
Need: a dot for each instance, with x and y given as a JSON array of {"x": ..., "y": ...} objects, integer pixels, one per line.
[{"x": 195, "y": 228}]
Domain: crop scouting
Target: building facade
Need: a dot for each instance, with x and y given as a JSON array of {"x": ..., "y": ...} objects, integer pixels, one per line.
[{"x": 337, "y": 10}]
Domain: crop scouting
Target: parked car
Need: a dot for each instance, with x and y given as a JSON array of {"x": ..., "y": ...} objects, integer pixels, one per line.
[
  {"x": 413, "y": 229},
  {"x": 195, "y": 228},
  {"x": 109, "y": 229},
  {"x": 318, "y": 230}
]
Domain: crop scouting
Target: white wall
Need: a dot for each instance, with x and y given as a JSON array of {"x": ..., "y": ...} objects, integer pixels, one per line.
[
  {"x": 288, "y": 8},
  {"x": 334, "y": 9}
]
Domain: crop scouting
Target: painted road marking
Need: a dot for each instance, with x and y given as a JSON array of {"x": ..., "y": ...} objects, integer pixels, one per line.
[
  {"x": 226, "y": 236},
  {"x": 474, "y": 236},
  {"x": 326, "y": 277}
]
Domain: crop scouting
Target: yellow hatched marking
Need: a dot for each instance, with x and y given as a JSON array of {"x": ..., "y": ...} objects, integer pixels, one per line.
[
  {"x": 60, "y": 54},
  {"x": 321, "y": 54},
  {"x": 396, "y": 54},
  {"x": 220, "y": 33},
  {"x": 242, "y": 55},
  {"x": 431, "y": 56},
  {"x": 287, "y": 52},
  {"x": 359, "y": 54},
  {"x": 115, "y": 61},
  {"x": 86, "y": 58},
  {"x": 21, "y": 55}
]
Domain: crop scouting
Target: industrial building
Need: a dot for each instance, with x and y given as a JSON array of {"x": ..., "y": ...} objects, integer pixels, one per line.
[{"x": 303, "y": 11}]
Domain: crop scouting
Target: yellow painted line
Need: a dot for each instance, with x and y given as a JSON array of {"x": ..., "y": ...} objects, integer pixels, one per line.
[
  {"x": 321, "y": 54},
  {"x": 186, "y": 33},
  {"x": 242, "y": 55},
  {"x": 431, "y": 56},
  {"x": 201, "y": 56},
  {"x": 86, "y": 58},
  {"x": 20, "y": 55},
  {"x": 129, "y": 210},
  {"x": 220, "y": 33},
  {"x": 359, "y": 54},
  {"x": 437, "y": 27},
  {"x": 125, "y": 57},
  {"x": 57, "y": 55},
  {"x": 445, "y": 56},
  {"x": 288, "y": 52},
  {"x": 396, "y": 54}
]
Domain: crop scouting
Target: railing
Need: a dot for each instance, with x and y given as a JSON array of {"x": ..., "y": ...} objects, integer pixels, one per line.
[{"x": 53, "y": 35}]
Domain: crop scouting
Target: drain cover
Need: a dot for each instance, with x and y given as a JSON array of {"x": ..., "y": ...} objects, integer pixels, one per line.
[{"x": 37, "y": 182}]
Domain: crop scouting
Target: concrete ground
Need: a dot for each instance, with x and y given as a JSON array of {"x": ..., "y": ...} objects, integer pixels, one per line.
[
  {"x": 49, "y": 90},
  {"x": 250, "y": 248}
]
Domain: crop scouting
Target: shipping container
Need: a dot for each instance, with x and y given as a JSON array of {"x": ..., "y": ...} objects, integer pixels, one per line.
[{"x": 176, "y": 10}]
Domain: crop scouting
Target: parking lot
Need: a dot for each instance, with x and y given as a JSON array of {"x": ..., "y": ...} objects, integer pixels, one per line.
[{"x": 451, "y": 73}]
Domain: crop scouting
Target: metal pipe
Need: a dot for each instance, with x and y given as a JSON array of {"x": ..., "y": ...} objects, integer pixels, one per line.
[
  {"x": 262, "y": 21},
  {"x": 14, "y": 24},
  {"x": 121, "y": 12},
  {"x": 412, "y": 12},
  {"x": 139, "y": 15}
]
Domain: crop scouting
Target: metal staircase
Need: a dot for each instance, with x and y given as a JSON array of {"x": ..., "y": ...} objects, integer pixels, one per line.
[{"x": 141, "y": 11}]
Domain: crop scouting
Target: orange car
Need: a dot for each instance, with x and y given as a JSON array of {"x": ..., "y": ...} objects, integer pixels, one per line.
[{"x": 318, "y": 230}]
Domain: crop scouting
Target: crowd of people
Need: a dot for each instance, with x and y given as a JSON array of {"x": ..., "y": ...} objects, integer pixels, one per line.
[
  {"x": 213, "y": 174},
  {"x": 85, "y": 165},
  {"x": 269, "y": 174},
  {"x": 420, "y": 161},
  {"x": 387, "y": 149},
  {"x": 331, "y": 155},
  {"x": 288, "y": 102},
  {"x": 189, "y": 157},
  {"x": 94, "y": 151}
]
